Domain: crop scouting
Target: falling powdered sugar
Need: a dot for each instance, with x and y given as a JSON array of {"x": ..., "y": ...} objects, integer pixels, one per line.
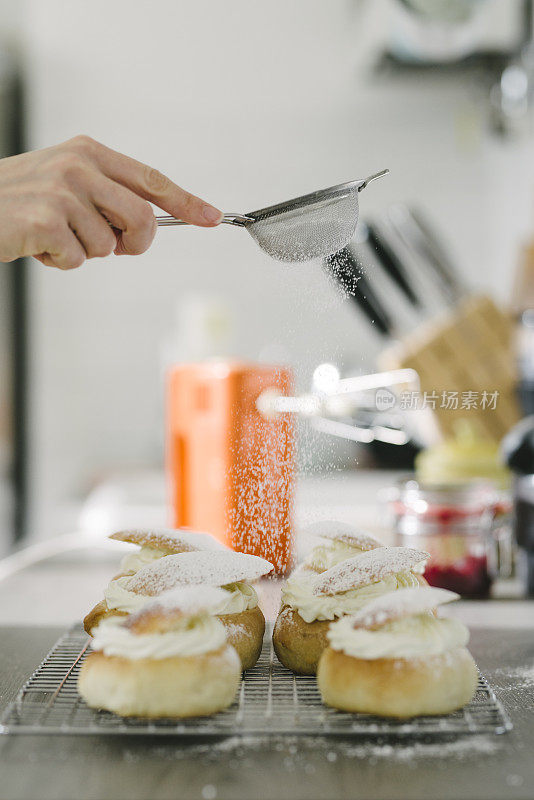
[
  {"x": 214, "y": 568},
  {"x": 367, "y": 568}
]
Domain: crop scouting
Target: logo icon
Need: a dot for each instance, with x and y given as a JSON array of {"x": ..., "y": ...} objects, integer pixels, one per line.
[{"x": 384, "y": 399}]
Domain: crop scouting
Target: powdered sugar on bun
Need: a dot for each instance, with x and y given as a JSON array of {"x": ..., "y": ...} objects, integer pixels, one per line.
[
  {"x": 176, "y": 604},
  {"x": 402, "y": 603},
  {"x": 214, "y": 568},
  {"x": 169, "y": 540},
  {"x": 367, "y": 568},
  {"x": 341, "y": 532}
]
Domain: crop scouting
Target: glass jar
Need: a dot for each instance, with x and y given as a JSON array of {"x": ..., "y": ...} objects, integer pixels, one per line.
[{"x": 461, "y": 526}]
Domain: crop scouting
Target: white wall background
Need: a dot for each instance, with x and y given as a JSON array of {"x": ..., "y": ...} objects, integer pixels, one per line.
[{"x": 245, "y": 103}]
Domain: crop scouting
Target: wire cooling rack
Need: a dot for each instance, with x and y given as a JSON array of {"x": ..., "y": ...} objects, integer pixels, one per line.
[{"x": 271, "y": 700}]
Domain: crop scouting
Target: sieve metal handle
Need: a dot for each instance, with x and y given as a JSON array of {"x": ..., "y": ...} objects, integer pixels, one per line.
[
  {"x": 242, "y": 219},
  {"x": 371, "y": 178},
  {"x": 229, "y": 219}
]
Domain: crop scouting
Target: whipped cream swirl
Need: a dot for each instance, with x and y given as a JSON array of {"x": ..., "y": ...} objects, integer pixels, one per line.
[
  {"x": 119, "y": 598},
  {"x": 410, "y": 637},
  {"x": 241, "y": 597},
  {"x": 197, "y": 635},
  {"x": 298, "y": 593}
]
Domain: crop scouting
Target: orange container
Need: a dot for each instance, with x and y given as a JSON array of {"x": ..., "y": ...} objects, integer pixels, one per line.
[{"x": 231, "y": 470}]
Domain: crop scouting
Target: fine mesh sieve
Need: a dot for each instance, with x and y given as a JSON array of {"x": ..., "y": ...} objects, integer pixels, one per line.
[{"x": 312, "y": 226}]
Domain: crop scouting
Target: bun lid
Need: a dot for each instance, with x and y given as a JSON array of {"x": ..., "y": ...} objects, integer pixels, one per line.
[
  {"x": 213, "y": 568},
  {"x": 169, "y": 540},
  {"x": 177, "y": 604},
  {"x": 401, "y": 603},
  {"x": 342, "y": 532},
  {"x": 367, "y": 568}
]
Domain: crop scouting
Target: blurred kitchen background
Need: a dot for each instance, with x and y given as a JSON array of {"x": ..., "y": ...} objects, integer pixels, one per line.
[{"x": 247, "y": 104}]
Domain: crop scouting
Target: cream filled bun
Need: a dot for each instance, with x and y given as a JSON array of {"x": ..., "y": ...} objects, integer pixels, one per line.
[
  {"x": 311, "y": 601},
  {"x": 169, "y": 659},
  {"x": 154, "y": 543},
  {"x": 342, "y": 541},
  {"x": 240, "y": 612},
  {"x": 396, "y": 658}
]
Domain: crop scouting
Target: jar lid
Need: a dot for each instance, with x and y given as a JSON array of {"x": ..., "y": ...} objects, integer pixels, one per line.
[{"x": 446, "y": 503}]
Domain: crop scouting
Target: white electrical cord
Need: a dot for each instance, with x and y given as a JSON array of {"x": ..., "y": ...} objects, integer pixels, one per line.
[{"x": 40, "y": 551}]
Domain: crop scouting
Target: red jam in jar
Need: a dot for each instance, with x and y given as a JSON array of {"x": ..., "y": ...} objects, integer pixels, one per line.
[
  {"x": 455, "y": 525},
  {"x": 469, "y": 577}
]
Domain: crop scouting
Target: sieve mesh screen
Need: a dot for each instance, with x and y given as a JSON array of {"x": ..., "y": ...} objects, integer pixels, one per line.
[{"x": 317, "y": 229}]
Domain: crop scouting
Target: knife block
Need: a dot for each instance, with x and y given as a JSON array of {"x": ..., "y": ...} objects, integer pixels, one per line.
[
  {"x": 231, "y": 470},
  {"x": 466, "y": 349}
]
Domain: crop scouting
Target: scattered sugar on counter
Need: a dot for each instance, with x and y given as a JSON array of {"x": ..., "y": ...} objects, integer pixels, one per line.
[{"x": 298, "y": 750}]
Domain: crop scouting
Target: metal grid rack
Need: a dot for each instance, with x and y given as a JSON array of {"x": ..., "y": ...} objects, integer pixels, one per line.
[{"x": 271, "y": 700}]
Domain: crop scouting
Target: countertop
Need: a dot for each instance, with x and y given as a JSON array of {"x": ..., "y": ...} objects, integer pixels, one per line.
[
  {"x": 38, "y": 603},
  {"x": 98, "y": 768}
]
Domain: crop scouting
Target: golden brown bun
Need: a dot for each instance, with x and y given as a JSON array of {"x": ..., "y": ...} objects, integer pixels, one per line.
[
  {"x": 244, "y": 631},
  {"x": 389, "y": 687},
  {"x": 98, "y": 613},
  {"x": 299, "y": 644},
  {"x": 181, "y": 686}
]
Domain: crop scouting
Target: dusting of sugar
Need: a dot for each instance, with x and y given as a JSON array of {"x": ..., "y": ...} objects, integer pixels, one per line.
[
  {"x": 172, "y": 540},
  {"x": 517, "y": 678},
  {"x": 233, "y": 629},
  {"x": 215, "y": 568},
  {"x": 401, "y": 603},
  {"x": 367, "y": 568},
  {"x": 240, "y": 752},
  {"x": 461, "y": 749}
]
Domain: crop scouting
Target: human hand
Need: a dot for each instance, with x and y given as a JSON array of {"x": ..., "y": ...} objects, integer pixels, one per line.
[{"x": 81, "y": 200}]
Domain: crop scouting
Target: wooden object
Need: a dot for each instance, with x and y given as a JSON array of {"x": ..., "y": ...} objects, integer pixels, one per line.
[{"x": 468, "y": 351}]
